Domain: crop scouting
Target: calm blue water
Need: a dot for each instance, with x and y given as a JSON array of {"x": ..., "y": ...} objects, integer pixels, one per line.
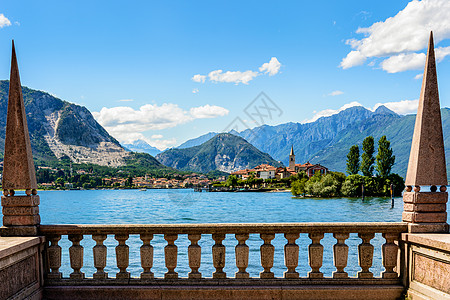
[{"x": 186, "y": 206}]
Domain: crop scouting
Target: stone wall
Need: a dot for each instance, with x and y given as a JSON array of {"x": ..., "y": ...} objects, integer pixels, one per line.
[
  {"x": 428, "y": 265},
  {"x": 21, "y": 267}
]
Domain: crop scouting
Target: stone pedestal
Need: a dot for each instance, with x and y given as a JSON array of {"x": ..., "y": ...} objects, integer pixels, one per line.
[
  {"x": 20, "y": 215},
  {"x": 425, "y": 211}
]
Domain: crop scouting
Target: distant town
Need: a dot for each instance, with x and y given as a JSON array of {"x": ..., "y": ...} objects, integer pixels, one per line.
[{"x": 263, "y": 176}]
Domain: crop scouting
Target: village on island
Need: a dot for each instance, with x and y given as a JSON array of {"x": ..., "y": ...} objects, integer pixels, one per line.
[
  {"x": 263, "y": 177},
  {"x": 265, "y": 171}
]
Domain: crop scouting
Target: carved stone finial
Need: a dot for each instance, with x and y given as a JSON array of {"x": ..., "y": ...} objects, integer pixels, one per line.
[
  {"x": 427, "y": 158},
  {"x": 18, "y": 165},
  {"x": 426, "y": 211}
]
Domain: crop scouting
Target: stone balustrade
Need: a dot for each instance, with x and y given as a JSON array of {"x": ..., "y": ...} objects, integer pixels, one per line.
[{"x": 195, "y": 232}]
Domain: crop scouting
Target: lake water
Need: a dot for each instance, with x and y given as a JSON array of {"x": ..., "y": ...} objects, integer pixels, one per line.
[{"x": 186, "y": 206}]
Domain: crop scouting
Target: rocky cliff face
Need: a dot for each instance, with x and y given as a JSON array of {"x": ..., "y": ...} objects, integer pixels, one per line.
[
  {"x": 224, "y": 152},
  {"x": 61, "y": 129}
]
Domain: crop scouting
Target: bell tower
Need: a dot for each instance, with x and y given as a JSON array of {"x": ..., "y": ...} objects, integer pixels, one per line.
[{"x": 292, "y": 159}]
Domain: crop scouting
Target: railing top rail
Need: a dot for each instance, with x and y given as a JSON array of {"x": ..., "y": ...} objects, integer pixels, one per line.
[{"x": 226, "y": 228}]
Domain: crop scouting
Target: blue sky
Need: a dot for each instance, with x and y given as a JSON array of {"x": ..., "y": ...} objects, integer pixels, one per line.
[{"x": 134, "y": 65}]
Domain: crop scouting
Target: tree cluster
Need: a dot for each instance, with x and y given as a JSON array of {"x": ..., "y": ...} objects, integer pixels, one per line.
[
  {"x": 384, "y": 159},
  {"x": 354, "y": 185}
]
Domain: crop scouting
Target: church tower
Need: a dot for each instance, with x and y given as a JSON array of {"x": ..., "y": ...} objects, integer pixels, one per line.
[{"x": 292, "y": 159}]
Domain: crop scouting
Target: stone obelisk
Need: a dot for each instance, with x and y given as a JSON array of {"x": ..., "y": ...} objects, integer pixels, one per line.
[
  {"x": 426, "y": 211},
  {"x": 20, "y": 212}
]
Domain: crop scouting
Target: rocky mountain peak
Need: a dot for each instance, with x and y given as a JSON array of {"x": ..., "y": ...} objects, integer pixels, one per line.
[{"x": 224, "y": 152}]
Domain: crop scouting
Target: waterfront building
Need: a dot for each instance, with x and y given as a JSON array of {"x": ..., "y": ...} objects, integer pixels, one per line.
[
  {"x": 292, "y": 159},
  {"x": 311, "y": 169},
  {"x": 263, "y": 171}
]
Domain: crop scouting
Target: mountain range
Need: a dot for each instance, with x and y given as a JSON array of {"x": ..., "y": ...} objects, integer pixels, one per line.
[
  {"x": 328, "y": 139},
  {"x": 224, "y": 152},
  {"x": 141, "y": 147},
  {"x": 62, "y": 130}
]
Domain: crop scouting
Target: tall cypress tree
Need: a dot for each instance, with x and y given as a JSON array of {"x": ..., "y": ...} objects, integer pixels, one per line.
[
  {"x": 367, "y": 157},
  {"x": 385, "y": 159},
  {"x": 353, "y": 160}
]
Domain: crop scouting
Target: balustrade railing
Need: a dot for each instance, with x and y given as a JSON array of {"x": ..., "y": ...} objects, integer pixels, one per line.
[{"x": 195, "y": 232}]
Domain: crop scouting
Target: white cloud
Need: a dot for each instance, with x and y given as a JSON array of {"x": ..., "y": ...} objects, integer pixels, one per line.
[
  {"x": 401, "y": 36},
  {"x": 418, "y": 76},
  {"x": 403, "y": 107},
  {"x": 157, "y": 136},
  {"x": 336, "y": 93},
  {"x": 232, "y": 76},
  {"x": 411, "y": 61},
  {"x": 127, "y": 124},
  {"x": 441, "y": 53},
  {"x": 208, "y": 111},
  {"x": 354, "y": 58},
  {"x": 195, "y": 91},
  {"x": 199, "y": 78},
  {"x": 125, "y": 100},
  {"x": 271, "y": 68},
  {"x": 403, "y": 62},
  {"x": 163, "y": 144},
  {"x": 4, "y": 21}
]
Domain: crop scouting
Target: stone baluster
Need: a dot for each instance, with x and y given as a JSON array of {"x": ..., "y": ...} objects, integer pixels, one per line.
[
  {"x": 365, "y": 251},
  {"x": 146, "y": 256},
  {"x": 241, "y": 252},
  {"x": 195, "y": 256},
  {"x": 340, "y": 250},
  {"x": 76, "y": 256},
  {"x": 171, "y": 255},
  {"x": 54, "y": 257},
  {"x": 267, "y": 252},
  {"x": 390, "y": 252},
  {"x": 100, "y": 252},
  {"x": 291, "y": 255},
  {"x": 218, "y": 252},
  {"x": 315, "y": 258},
  {"x": 122, "y": 256}
]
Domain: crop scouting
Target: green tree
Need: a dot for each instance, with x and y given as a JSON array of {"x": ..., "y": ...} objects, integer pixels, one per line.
[
  {"x": 129, "y": 181},
  {"x": 352, "y": 185},
  {"x": 59, "y": 181},
  {"x": 339, "y": 177},
  {"x": 300, "y": 175},
  {"x": 385, "y": 158},
  {"x": 232, "y": 181},
  {"x": 353, "y": 160},
  {"x": 367, "y": 158},
  {"x": 298, "y": 187},
  {"x": 397, "y": 181},
  {"x": 330, "y": 186}
]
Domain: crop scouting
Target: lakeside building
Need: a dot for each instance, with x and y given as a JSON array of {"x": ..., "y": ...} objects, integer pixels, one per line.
[
  {"x": 263, "y": 171},
  {"x": 309, "y": 168},
  {"x": 266, "y": 171}
]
